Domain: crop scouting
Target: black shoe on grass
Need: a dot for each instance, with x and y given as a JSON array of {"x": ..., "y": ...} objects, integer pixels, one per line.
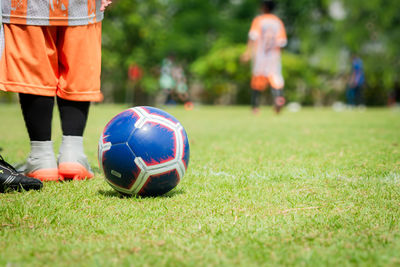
[{"x": 10, "y": 179}]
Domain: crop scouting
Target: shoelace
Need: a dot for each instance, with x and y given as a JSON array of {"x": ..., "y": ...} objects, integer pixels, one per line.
[{"x": 6, "y": 164}]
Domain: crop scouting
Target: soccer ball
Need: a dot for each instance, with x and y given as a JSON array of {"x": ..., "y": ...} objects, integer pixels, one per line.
[{"x": 144, "y": 151}]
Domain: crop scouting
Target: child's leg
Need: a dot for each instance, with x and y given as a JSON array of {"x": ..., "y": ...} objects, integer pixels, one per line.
[
  {"x": 258, "y": 84},
  {"x": 255, "y": 100},
  {"x": 38, "y": 113},
  {"x": 79, "y": 50},
  {"x": 279, "y": 99},
  {"x": 72, "y": 161},
  {"x": 73, "y": 116}
]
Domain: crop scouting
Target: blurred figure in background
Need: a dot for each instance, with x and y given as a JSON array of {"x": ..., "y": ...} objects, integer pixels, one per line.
[
  {"x": 355, "y": 92},
  {"x": 266, "y": 38},
  {"x": 394, "y": 96},
  {"x": 181, "y": 90},
  {"x": 167, "y": 82},
  {"x": 174, "y": 83}
]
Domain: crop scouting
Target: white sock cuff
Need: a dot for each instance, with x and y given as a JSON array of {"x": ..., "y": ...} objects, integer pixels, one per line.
[
  {"x": 71, "y": 143},
  {"x": 40, "y": 147},
  {"x": 69, "y": 139}
]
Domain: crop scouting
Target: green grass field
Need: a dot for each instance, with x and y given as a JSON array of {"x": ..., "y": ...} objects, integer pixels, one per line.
[{"x": 309, "y": 188}]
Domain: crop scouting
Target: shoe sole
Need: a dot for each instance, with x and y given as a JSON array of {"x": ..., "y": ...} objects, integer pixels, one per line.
[
  {"x": 44, "y": 175},
  {"x": 73, "y": 171}
]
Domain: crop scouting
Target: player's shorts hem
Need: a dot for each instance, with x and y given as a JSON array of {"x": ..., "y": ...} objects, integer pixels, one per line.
[
  {"x": 28, "y": 89},
  {"x": 80, "y": 96},
  {"x": 258, "y": 89},
  {"x": 261, "y": 82}
]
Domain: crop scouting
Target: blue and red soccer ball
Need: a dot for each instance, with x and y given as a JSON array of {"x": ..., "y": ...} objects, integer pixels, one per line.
[{"x": 144, "y": 151}]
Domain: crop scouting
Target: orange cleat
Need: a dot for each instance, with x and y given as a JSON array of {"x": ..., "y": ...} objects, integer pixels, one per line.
[
  {"x": 44, "y": 175},
  {"x": 72, "y": 161},
  {"x": 188, "y": 106},
  {"x": 41, "y": 163},
  {"x": 73, "y": 171}
]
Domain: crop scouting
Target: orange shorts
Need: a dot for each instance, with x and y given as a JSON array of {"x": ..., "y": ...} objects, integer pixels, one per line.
[
  {"x": 261, "y": 83},
  {"x": 52, "y": 60}
]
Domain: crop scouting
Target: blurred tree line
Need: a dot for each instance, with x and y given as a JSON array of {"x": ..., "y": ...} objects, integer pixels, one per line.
[{"x": 208, "y": 37}]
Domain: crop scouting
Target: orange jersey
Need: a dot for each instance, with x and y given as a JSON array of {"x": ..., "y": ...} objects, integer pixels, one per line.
[
  {"x": 269, "y": 35},
  {"x": 51, "y": 12}
]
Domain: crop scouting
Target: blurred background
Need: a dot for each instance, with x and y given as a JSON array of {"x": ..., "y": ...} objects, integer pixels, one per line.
[{"x": 206, "y": 39}]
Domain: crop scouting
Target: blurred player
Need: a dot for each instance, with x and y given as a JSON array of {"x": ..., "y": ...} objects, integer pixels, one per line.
[
  {"x": 266, "y": 38},
  {"x": 356, "y": 83},
  {"x": 48, "y": 49},
  {"x": 167, "y": 82},
  {"x": 181, "y": 87}
]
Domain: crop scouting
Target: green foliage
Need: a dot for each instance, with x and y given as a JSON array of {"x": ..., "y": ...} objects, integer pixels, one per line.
[
  {"x": 221, "y": 72},
  {"x": 375, "y": 36},
  {"x": 208, "y": 36}
]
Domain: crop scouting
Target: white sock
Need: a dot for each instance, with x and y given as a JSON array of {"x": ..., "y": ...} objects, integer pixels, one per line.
[
  {"x": 41, "y": 157},
  {"x": 72, "y": 143},
  {"x": 71, "y": 150},
  {"x": 40, "y": 149}
]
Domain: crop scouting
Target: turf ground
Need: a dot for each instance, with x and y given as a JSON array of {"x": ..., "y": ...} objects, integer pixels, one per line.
[{"x": 310, "y": 188}]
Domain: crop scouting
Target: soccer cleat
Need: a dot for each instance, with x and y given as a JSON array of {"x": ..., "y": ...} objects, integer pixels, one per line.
[
  {"x": 279, "y": 103},
  {"x": 256, "y": 111},
  {"x": 74, "y": 170},
  {"x": 71, "y": 167},
  {"x": 72, "y": 161},
  {"x": 44, "y": 169},
  {"x": 10, "y": 179},
  {"x": 41, "y": 163}
]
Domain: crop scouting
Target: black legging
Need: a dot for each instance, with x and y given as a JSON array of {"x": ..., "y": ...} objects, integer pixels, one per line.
[
  {"x": 255, "y": 98},
  {"x": 38, "y": 114},
  {"x": 276, "y": 93}
]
